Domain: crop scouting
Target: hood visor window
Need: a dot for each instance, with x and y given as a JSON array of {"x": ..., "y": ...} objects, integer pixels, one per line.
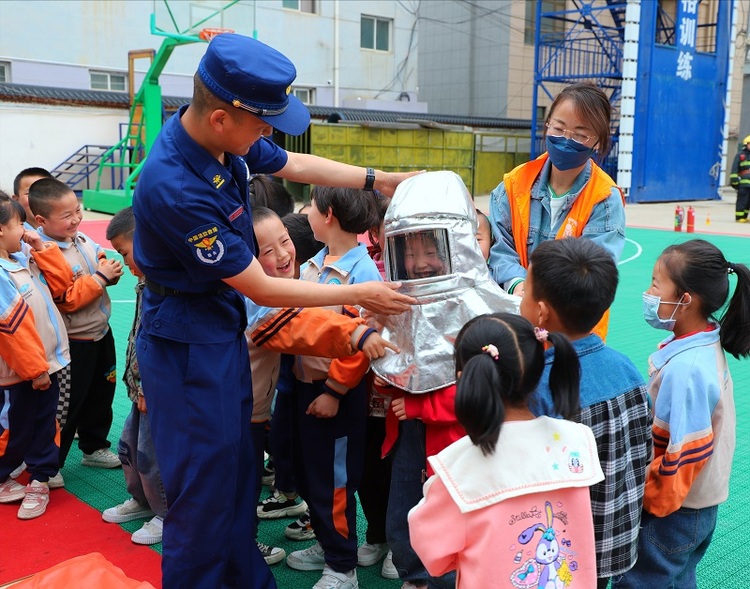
[{"x": 419, "y": 255}]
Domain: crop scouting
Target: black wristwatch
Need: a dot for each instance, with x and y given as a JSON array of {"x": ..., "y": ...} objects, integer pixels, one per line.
[{"x": 370, "y": 180}]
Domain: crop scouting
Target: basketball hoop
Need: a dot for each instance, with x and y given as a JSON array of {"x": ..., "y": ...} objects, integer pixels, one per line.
[{"x": 208, "y": 34}]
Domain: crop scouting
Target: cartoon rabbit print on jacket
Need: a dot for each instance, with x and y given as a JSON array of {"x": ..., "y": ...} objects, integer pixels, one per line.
[{"x": 549, "y": 567}]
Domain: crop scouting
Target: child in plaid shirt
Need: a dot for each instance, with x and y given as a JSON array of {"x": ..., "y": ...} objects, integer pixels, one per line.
[
  {"x": 571, "y": 283},
  {"x": 136, "y": 448}
]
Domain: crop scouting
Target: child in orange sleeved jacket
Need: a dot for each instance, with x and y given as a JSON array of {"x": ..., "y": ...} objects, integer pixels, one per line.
[
  {"x": 86, "y": 309},
  {"x": 331, "y": 399},
  {"x": 33, "y": 348},
  {"x": 306, "y": 331}
]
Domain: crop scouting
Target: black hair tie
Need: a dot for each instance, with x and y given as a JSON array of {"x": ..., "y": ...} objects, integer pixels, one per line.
[{"x": 730, "y": 268}]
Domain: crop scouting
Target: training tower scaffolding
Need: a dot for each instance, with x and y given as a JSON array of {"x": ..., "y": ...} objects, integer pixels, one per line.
[{"x": 666, "y": 67}]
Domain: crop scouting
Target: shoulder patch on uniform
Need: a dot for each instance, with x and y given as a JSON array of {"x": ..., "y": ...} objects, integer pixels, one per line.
[
  {"x": 209, "y": 247},
  {"x": 217, "y": 181}
]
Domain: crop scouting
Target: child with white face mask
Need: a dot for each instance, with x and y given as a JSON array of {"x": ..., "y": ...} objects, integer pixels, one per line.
[{"x": 694, "y": 417}]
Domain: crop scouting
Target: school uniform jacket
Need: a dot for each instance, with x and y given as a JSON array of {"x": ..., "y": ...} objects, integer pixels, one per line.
[
  {"x": 520, "y": 517},
  {"x": 353, "y": 267},
  {"x": 310, "y": 331},
  {"x": 32, "y": 332},
  {"x": 85, "y": 305},
  {"x": 692, "y": 396}
]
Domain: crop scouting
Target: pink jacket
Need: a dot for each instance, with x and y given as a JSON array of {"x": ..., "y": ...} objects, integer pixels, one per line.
[{"x": 518, "y": 518}]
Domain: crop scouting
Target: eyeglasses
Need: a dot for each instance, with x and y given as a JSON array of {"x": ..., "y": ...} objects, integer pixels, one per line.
[{"x": 558, "y": 131}]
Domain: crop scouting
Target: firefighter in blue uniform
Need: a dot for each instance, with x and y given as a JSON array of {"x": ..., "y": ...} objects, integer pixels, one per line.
[
  {"x": 740, "y": 181},
  {"x": 194, "y": 242}
]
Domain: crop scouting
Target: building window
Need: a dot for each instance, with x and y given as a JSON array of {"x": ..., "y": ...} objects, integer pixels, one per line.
[
  {"x": 375, "y": 33},
  {"x": 108, "y": 81},
  {"x": 550, "y": 27},
  {"x": 301, "y": 5},
  {"x": 305, "y": 95},
  {"x": 4, "y": 72}
]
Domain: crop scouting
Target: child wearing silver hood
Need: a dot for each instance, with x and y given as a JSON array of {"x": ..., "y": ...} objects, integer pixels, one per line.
[{"x": 431, "y": 248}]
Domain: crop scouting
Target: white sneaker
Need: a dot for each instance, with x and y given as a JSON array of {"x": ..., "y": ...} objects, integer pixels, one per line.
[
  {"x": 34, "y": 501},
  {"x": 150, "y": 533},
  {"x": 334, "y": 580},
  {"x": 17, "y": 473},
  {"x": 11, "y": 491},
  {"x": 410, "y": 585},
  {"x": 101, "y": 458},
  {"x": 127, "y": 511},
  {"x": 56, "y": 482},
  {"x": 271, "y": 554},
  {"x": 389, "y": 570},
  {"x": 309, "y": 559},
  {"x": 369, "y": 554},
  {"x": 279, "y": 505}
]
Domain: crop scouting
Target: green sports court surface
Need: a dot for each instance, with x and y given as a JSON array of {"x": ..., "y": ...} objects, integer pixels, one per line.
[{"x": 727, "y": 560}]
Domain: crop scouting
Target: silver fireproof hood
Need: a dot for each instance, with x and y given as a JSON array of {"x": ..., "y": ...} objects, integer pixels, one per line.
[{"x": 431, "y": 248}]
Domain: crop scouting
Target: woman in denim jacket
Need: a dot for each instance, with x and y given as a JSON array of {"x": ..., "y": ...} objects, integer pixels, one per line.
[{"x": 562, "y": 193}]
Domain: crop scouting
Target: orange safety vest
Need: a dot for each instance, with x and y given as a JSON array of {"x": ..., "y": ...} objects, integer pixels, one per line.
[{"x": 518, "y": 183}]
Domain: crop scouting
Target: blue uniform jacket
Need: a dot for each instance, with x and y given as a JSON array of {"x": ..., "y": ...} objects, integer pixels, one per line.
[{"x": 193, "y": 229}]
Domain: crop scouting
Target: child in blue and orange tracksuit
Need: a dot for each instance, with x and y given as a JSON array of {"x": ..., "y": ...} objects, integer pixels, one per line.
[
  {"x": 33, "y": 348},
  {"x": 692, "y": 398},
  {"x": 272, "y": 332},
  {"x": 86, "y": 309},
  {"x": 331, "y": 407}
]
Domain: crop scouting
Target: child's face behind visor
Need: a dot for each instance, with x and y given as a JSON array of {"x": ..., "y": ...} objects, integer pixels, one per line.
[{"x": 422, "y": 258}]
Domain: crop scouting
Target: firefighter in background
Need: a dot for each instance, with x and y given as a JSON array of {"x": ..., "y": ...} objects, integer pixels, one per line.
[{"x": 740, "y": 181}]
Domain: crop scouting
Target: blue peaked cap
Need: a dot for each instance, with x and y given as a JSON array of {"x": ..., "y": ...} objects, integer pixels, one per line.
[{"x": 252, "y": 76}]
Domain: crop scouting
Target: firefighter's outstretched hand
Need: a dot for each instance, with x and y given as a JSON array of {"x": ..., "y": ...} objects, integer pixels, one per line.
[
  {"x": 386, "y": 182},
  {"x": 382, "y": 297}
]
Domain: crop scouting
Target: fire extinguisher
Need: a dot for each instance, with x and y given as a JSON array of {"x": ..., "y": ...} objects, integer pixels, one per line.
[
  {"x": 679, "y": 215},
  {"x": 690, "y": 220}
]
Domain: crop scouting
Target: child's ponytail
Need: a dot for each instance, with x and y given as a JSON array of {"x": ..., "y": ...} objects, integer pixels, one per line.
[
  {"x": 479, "y": 407},
  {"x": 565, "y": 376},
  {"x": 735, "y": 324}
]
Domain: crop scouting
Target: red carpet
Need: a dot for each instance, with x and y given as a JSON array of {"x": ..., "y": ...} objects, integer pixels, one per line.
[
  {"x": 69, "y": 528},
  {"x": 96, "y": 230}
]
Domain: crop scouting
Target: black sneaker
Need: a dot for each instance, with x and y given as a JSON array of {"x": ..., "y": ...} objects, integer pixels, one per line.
[
  {"x": 271, "y": 554},
  {"x": 301, "y": 529},
  {"x": 279, "y": 505}
]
